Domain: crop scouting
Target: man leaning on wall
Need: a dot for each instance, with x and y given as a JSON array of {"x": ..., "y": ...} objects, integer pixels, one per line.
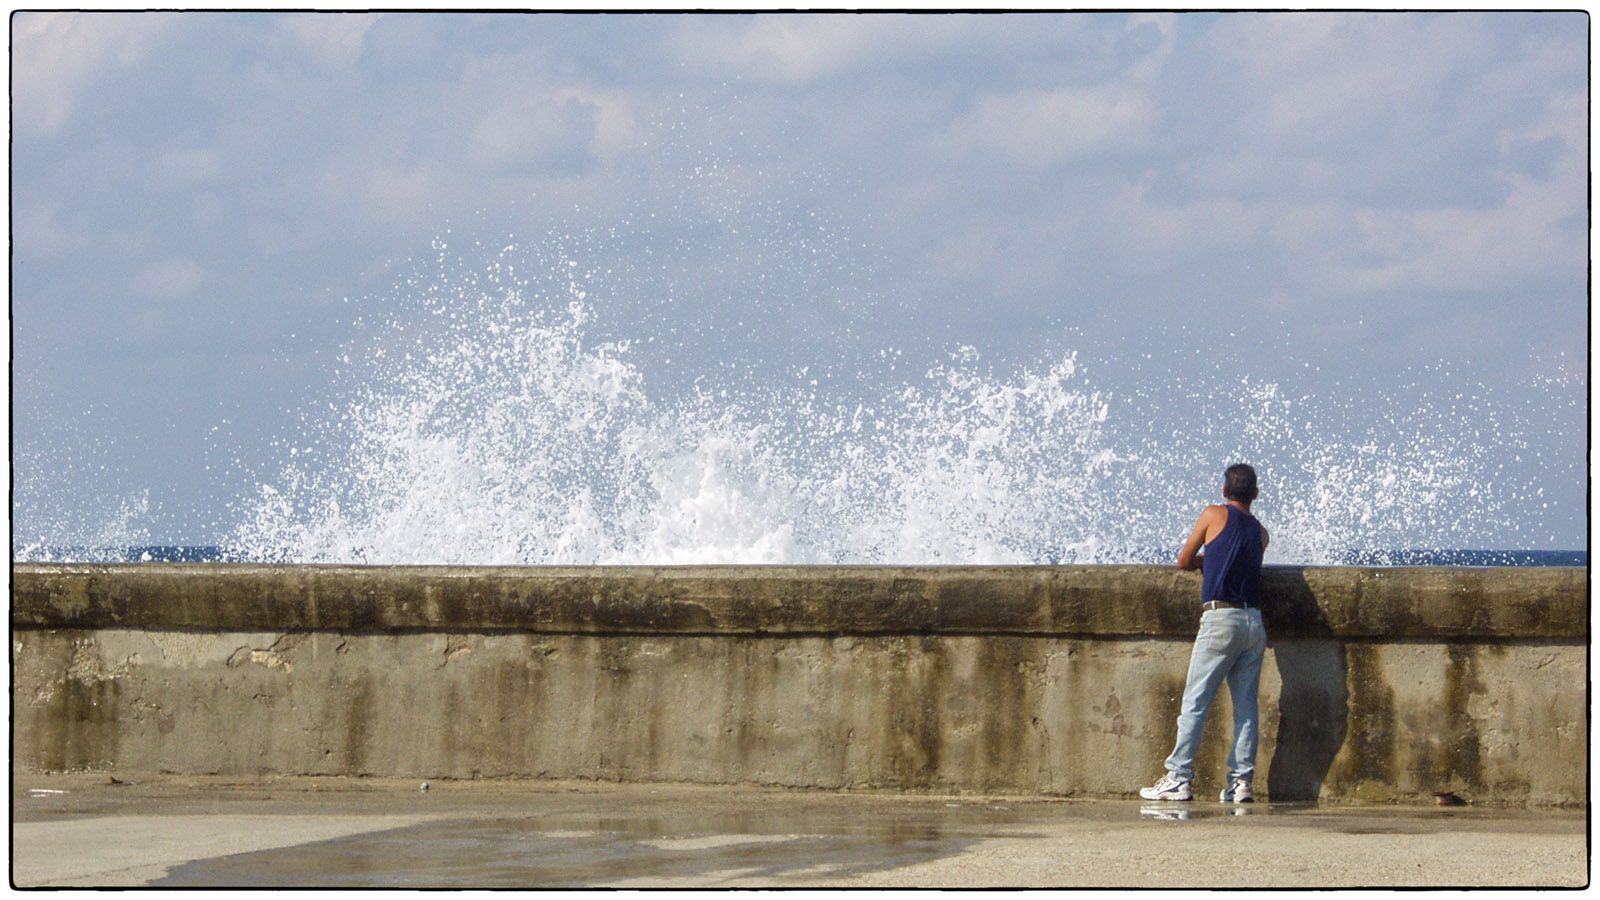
[{"x": 1227, "y": 546}]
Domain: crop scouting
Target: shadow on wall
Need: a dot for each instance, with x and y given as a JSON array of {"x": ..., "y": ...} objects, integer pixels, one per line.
[{"x": 1314, "y": 708}]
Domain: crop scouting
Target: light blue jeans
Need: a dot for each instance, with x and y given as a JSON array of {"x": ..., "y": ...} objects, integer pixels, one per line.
[{"x": 1230, "y": 646}]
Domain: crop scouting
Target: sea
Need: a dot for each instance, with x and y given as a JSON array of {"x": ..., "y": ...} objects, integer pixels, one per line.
[{"x": 1408, "y": 557}]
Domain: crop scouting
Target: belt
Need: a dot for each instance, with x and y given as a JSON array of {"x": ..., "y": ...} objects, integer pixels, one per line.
[{"x": 1226, "y": 604}]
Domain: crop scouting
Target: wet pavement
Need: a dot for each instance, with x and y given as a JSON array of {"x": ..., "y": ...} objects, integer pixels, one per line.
[{"x": 372, "y": 833}]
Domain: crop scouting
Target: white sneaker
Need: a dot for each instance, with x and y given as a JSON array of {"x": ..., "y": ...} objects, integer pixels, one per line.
[
  {"x": 1238, "y": 791},
  {"x": 1168, "y": 788}
]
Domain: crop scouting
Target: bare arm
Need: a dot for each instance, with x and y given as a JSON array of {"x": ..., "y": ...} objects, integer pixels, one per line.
[{"x": 1190, "y": 559}]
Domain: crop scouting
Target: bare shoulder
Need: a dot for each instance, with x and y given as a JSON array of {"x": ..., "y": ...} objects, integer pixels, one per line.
[{"x": 1211, "y": 522}]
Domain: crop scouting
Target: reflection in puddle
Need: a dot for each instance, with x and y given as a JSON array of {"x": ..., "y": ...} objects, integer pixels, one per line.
[
  {"x": 1172, "y": 811},
  {"x": 1178, "y": 812}
]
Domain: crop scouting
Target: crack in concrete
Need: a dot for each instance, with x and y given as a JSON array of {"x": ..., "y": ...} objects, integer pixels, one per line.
[{"x": 269, "y": 656}]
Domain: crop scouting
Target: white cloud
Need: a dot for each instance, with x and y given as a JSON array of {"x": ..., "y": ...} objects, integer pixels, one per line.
[
  {"x": 402, "y": 199},
  {"x": 387, "y": 193},
  {"x": 1312, "y": 80},
  {"x": 56, "y": 57},
  {"x": 1376, "y": 155},
  {"x": 1043, "y": 128},
  {"x": 1149, "y": 67},
  {"x": 536, "y": 132},
  {"x": 169, "y": 278},
  {"x": 333, "y": 40},
  {"x": 1536, "y": 238},
  {"x": 794, "y": 49},
  {"x": 519, "y": 108},
  {"x": 189, "y": 166},
  {"x": 1530, "y": 242},
  {"x": 38, "y": 234},
  {"x": 616, "y": 127}
]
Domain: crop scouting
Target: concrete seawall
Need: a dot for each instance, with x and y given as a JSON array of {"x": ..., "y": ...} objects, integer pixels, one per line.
[{"x": 1379, "y": 684}]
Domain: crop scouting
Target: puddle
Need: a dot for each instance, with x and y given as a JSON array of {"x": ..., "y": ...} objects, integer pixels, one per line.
[
  {"x": 484, "y": 835},
  {"x": 497, "y": 853}
]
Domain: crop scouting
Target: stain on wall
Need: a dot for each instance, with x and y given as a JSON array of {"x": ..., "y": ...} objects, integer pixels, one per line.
[{"x": 1501, "y": 718}]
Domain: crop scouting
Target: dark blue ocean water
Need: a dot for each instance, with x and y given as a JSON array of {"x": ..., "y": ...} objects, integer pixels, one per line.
[{"x": 168, "y": 553}]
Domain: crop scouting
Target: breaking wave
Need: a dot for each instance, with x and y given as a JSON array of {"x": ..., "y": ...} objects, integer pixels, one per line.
[{"x": 483, "y": 421}]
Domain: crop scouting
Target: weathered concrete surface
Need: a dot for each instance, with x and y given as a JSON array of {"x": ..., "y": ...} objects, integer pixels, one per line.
[
  {"x": 737, "y": 681},
  {"x": 382, "y": 833},
  {"x": 1106, "y": 601}
]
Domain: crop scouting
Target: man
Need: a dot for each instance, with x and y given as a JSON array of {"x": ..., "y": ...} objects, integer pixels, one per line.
[{"x": 1232, "y": 639}]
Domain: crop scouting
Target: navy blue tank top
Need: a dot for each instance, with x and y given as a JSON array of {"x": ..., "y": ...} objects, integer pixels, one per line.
[{"x": 1233, "y": 561}]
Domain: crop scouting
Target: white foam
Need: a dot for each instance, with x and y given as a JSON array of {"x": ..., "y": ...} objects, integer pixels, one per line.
[
  {"x": 490, "y": 429},
  {"x": 480, "y": 421}
]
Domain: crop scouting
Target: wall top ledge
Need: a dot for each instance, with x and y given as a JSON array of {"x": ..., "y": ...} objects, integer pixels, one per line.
[{"x": 1448, "y": 603}]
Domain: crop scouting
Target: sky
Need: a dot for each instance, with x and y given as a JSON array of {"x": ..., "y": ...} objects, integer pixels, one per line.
[{"x": 204, "y": 205}]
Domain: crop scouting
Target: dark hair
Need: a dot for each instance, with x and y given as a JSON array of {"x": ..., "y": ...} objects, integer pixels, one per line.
[{"x": 1240, "y": 484}]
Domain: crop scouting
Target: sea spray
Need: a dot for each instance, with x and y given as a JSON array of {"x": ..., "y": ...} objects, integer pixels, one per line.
[
  {"x": 483, "y": 422},
  {"x": 507, "y": 437},
  {"x": 50, "y": 522}
]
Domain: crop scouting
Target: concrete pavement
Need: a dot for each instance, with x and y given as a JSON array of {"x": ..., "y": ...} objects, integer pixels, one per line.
[{"x": 83, "y": 830}]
